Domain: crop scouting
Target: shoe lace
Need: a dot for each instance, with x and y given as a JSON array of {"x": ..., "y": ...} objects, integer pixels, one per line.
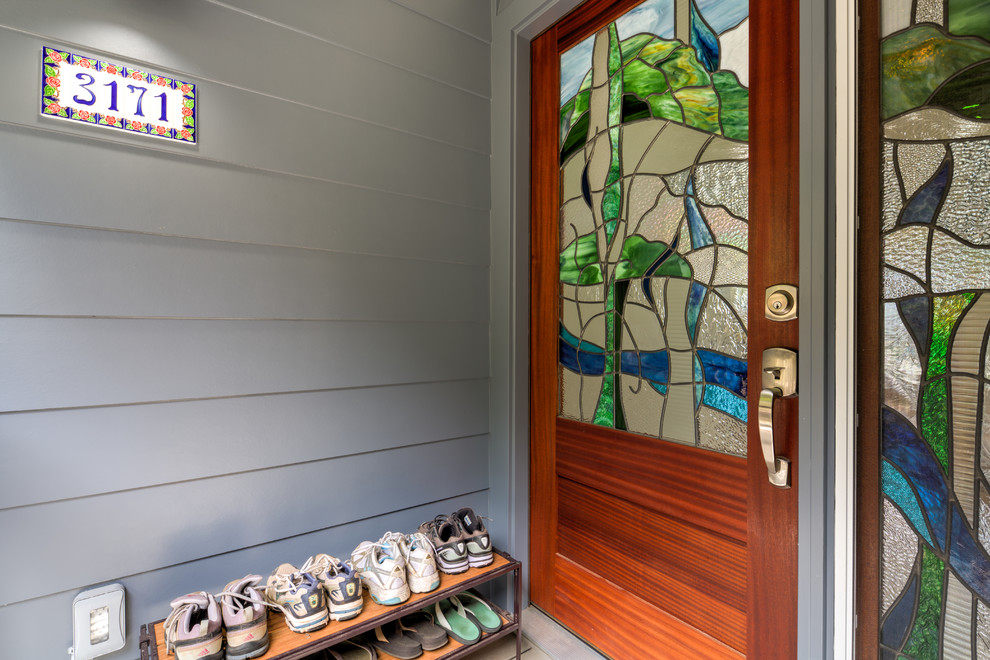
[
  {"x": 316, "y": 566},
  {"x": 395, "y": 540},
  {"x": 171, "y": 625}
]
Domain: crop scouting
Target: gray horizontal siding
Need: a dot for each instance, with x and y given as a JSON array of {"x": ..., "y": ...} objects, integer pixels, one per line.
[
  {"x": 149, "y": 592},
  {"x": 220, "y": 357},
  {"x": 153, "y": 444},
  {"x": 211, "y": 200}
]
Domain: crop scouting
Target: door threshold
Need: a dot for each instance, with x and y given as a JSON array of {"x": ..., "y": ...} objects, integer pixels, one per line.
[{"x": 553, "y": 639}]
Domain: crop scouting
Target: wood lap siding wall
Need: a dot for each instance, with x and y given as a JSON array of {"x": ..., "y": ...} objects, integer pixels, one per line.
[{"x": 274, "y": 343}]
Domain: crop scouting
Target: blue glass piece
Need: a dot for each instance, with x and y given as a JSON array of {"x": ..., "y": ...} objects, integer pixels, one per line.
[
  {"x": 659, "y": 387},
  {"x": 924, "y": 204},
  {"x": 653, "y": 366},
  {"x": 698, "y": 395},
  {"x": 897, "y": 624},
  {"x": 899, "y": 491},
  {"x": 905, "y": 449},
  {"x": 701, "y": 235},
  {"x": 703, "y": 40},
  {"x": 695, "y": 298},
  {"x": 652, "y": 17},
  {"x": 586, "y": 186},
  {"x": 582, "y": 362},
  {"x": 729, "y": 372},
  {"x": 918, "y": 318},
  {"x": 723, "y": 15},
  {"x": 575, "y": 64},
  {"x": 724, "y": 400},
  {"x": 585, "y": 346},
  {"x": 699, "y": 372},
  {"x": 968, "y": 558}
]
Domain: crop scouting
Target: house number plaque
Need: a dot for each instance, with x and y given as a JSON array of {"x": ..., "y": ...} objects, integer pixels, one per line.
[{"x": 90, "y": 90}]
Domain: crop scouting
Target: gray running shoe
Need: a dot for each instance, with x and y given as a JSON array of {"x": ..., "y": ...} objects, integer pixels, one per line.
[
  {"x": 420, "y": 558},
  {"x": 444, "y": 534},
  {"x": 194, "y": 631},
  {"x": 245, "y": 618},
  {"x": 342, "y": 585},
  {"x": 383, "y": 571},
  {"x": 479, "y": 545},
  {"x": 299, "y": 596}
]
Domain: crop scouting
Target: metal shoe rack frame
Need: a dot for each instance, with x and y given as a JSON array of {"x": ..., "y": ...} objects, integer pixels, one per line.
[{"x": 287, "y": 645}]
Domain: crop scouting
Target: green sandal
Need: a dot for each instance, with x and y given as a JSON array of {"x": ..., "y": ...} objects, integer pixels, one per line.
[
  {"x": 478, "y": 611},
  {"x": 453, "y": 618}
]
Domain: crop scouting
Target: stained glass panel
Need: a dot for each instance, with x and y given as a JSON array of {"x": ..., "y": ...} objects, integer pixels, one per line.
[
  {"x": 935, "y": 568},
  {"x": 654, "y": 126}
]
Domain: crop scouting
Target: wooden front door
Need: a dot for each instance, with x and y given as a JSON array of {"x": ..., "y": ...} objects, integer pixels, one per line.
[{"x": 664, "y": 203}]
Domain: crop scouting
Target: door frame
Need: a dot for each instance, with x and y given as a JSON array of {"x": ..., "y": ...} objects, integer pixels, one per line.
[{"x": 825, "y": 529}]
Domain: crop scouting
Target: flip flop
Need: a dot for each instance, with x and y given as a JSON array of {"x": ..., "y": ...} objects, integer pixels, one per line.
[
  {"x": 420, "y": 627},
  {"x": 351, "y": 650},
  {"x": 389, "y": 639},
  {"x": 479, "y": 612},
  {"x": 453, "y": 619}
]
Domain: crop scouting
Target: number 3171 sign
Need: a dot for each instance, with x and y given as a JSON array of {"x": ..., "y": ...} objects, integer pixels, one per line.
[{"x": 96, "y": 92}]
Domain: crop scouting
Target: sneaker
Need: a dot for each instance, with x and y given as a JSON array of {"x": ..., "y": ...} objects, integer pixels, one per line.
[
  {"x": 193, "y": 631},
  {"x": 342, "y": 585},
  {"x": 479, "y": 545},
  {"x": 383, "y": 571},
  {"x": 299, "y": 596},
  {"x": 444, "y": 534},
  {"x": 420, "y": 558},
  {"x": 245, "y": 618}
]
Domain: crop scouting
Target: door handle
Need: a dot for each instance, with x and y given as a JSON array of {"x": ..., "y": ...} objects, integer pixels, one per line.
[{"x": 779, "y": 381}]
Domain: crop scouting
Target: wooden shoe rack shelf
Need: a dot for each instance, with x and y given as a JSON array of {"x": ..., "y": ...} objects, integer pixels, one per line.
[{"x": 288, "y": 645}]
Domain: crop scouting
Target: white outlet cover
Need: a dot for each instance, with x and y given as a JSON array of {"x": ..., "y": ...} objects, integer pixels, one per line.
[{"x": 110, "y": 597}]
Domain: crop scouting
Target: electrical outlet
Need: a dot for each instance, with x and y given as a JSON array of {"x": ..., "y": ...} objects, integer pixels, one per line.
[{"x": 97, "y": 622}]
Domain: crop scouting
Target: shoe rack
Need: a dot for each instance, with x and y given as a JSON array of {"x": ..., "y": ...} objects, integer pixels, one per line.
[{"x": 288, "y": 645}]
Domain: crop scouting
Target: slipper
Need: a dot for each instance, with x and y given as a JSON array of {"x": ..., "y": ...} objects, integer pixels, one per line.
[
  {"x": 479, "y": 612},
  {"x": 453, "y": 619},
  {"x": 420, "y": 627},
  {"x": 389, "y": 639},
  {"x": 350, "y": 649}
]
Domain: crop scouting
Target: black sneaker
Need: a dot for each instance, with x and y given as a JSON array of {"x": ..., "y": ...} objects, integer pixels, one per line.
[
  {"x": 475, "y": 534},
  {"x": 445, "y": 535}
]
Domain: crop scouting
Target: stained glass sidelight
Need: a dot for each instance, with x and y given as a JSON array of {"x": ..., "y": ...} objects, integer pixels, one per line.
[
  {"x": 654, "y": 123},
  {"x": 935, "y": 566}
]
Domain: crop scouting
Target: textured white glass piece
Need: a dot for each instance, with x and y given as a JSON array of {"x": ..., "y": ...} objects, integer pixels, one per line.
[
  {"x": 719, "y": 330},
  {"x": 724, "y": 183},
  {"x": 958, "y": 267},
  {"x": 662, "y": 222},
  {"x": 957, "y": 630},
  {"x": 677, "y": 182},
  {"x": 570, "y": 177},
  {"x": 930, "y": 11},
  {"x": 982, "y": 631},
  {"x": 721, "y": 432},
  {"x": 728, "y": 229},
  {"x": 900, "y": 548},
  {"x": 576, "y": 220},
  {"x": 966, "y": 210},
  {"x": 985, "y": 442},
  {"x": 644, "y": 195},
  {"x": 674, "y": 149},
  {"x": 901, "y": 366},
  {"x": 917, "y": 162},
  {"x": 731, "y": 267},
  {"x": 642, "y": 406},
  {"x": 636, "y": 139},
  {"x": 905, "y": 248},
  {"x": 642, "y": 329},
  {"x": 894, "y": 15},
  {"x": 892, "y": 200},
  {"x": 965, "y": 392},
  {"x": 734, "y": 56},
  {"x": 702, "y": 263},
  {"x": 738, "y": 298},
  {"x": 898, "y": 285}
]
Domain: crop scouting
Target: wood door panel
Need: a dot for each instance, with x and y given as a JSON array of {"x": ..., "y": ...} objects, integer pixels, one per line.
[
  {"x": 671, "y": 564},
  {"x": 685, "y": 483},
  {"x": 633, "y": 627}
]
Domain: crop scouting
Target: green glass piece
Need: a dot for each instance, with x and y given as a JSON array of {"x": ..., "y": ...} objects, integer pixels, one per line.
[
  {"x": 918, "y": 60},
  {"x": 665, "y": 106},
  {"x": 947, "y": 310},
  {"x": 734, "y": 99},
  {"x": 633, "y": 109},
  {"x": 579, "y": 262},
  {"x": 642, "y": 80},
  {"x": 967, "y": 92},
  {"x": 658, "y": 50},
  {"x": 969, "y": 17},
  {"x": 577, "y": 138},
  {"x": 632, "y": 46},
  {"x": 700, "y": 106},
  {"x": 684, "y": 70},
  {"x": 614, "y": 51},
  {"x": 935, "y": 420},
  {"x": 922, "y": 644},
  {"x": 639, "y": 254}
]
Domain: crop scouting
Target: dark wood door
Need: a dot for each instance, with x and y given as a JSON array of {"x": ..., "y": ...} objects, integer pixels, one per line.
[{"x": 655, "y": 532}]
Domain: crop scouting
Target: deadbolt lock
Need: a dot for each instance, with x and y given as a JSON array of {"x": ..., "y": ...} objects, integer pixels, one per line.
[{"x": 781, "y": 302}]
